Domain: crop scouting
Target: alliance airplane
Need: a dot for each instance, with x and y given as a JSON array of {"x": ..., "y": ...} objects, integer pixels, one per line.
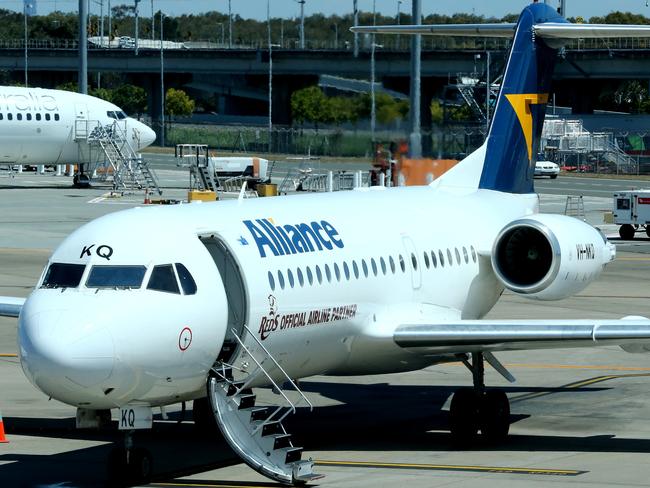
[
  {"x": 148, "y": 307},
  {"x": 40, "y": 126}
]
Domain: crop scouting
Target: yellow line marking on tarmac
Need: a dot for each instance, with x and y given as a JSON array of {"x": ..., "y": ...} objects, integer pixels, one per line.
[
  {"x": 8, "y": 355},
  {"x": 453, "y": 467}
]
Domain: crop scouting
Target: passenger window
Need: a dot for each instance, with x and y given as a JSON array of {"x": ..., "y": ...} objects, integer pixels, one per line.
[
  {"x": 382, "y": 262},
  {"x": 271, "y": 281},
  {"x": 414, "y": 262},
  {"x": 187, "y": 282},
  {"x": 442, "y": 258},
  {"x": 355, "y": 268},
  {"x": 163, "y": 279},
  {"x": 392, "y": 264},
  {"x": 29, "y": 116},
  {"x": 328, "y": 273},
  {"x": 434, "y": 261},
  {"x": 38, "y": 116},
  {"x": 402, "y": 264},
  {"x": 56, "y": 116},
  {"x": 373, "y": 264},
  {"x": 116, "y": 276},
  {"x": 62, "y": 275},
  {"x": 346, "y": 270},
  {"x": 19, "y": 116},
  {"x": 364, "y": 266},
  {"x": 319, "y": 275},
  {"x": 281, "y": 279},
  {"x": 426, "y": 259},
  {"x": 301, "y": 278},
  {"x": 457, "y": 255},
  {"x": 450, "y": 261},
  {"x": 1, "y": 116},
  {"x": 290, "y": 278},
  {"x": 337, "y": 272},
  {"x": 310, "y": 276},
  {"x": 473, "y": 251},
  {"x": 10, "y": 116},
  {"x": 465, "y": 256},
  {"x": 47, "y": 116}
]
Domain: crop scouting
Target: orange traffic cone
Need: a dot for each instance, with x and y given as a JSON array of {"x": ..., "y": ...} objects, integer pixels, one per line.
[
  {"x": 147, "y": 200},
  {"x": 3, "y": 439}
]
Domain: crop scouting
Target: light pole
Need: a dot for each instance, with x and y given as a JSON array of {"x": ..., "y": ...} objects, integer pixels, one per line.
[
  {"x": 355, "y": 13},
  {"x": 110, "y": 18},
  {"x": 220, "y": 24},
  {"x": 229, "y": 26},
  {"x": 153, "y": 24},
  {"x": 399, "y": 4},
  {"x": 136, "y": 26},
  {"x": 302, "y": 23},
  {"x": 162, "y": 85},
  {"x": 83, "y": 47},
  {"x": 373, "y": 110},
  {"x": 26, "y": 5}
]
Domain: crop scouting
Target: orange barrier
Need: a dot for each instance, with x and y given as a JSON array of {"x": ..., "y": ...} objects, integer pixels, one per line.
[
  {"x": 415, "y": 172},
  {"x": 3, "y": 439}
]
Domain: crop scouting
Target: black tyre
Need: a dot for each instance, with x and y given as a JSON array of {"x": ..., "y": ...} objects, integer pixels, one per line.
[
  {"x": 203, "y": 416},
  {"x": 116, "y": 467},
  {"x": 553, "y": 177},
  {"x": 495, "y": 416},
  {"x": 626, "y": 232},
  {"x": 140, "y": 466},
  {"x": 647, "y": 230},
  {"x": 464, "y": 416}
]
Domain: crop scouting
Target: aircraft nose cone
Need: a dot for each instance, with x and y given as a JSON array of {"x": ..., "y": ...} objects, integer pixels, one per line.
[
  {"x": 62, "y": 356},
  {"x": 147, "y": 136}
]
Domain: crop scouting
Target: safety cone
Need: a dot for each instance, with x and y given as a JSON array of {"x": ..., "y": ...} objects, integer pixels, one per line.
[
  {"x": 147, "y": 201},
  {"x": 3, "y": 439}
]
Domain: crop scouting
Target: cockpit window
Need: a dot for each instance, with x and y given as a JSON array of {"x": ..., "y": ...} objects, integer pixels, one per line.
[
  {"x": 121, "y": 115},
  {"x": 111, "y": 114},
  {"x": 187, "y": 282},
  {"x": 62, "y": 275},
  {"x": 163, "y": 279},
  {"x": 116, "y": 277}
]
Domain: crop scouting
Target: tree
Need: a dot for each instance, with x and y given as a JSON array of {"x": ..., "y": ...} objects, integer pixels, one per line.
[
  {"x": 310, "y": 104},
  {"x": 130, "y": 98},
  {"x": 178, "y": 103},
  {"x": 437, "y": 112}
]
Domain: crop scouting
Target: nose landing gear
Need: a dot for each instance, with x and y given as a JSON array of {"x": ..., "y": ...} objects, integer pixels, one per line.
[
  {"x": 128, "y": 465},
  {"x": 477, "y": 409}
]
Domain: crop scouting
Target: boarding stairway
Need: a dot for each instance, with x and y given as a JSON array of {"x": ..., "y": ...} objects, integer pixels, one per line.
[
  {"x": 255, "y": 432},
  {"x": 130, "y": 171},
  {"x": 196, "y": 158}
]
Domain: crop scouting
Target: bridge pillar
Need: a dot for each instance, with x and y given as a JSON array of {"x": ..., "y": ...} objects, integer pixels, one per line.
[{"x": 152, "y": 85}]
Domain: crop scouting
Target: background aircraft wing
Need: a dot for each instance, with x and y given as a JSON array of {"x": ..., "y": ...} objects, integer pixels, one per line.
[
  {"x": 632, "y": 333},
  {"x": 10, "y": 306}
]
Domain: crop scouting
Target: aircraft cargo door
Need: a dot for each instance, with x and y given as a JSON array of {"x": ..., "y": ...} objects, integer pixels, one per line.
[
  {"x": 235, "y": 291},
  {"x": 412, "y": 261}
]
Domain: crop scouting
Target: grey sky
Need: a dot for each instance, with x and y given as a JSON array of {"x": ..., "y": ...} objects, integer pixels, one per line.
[{"x": 291, "y": 8}]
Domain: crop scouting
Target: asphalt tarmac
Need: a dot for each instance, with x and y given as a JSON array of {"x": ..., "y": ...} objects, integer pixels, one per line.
[{"x": 579, "y": 416}]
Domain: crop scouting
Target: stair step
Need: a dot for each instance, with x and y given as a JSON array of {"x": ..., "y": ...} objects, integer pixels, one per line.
[
  {"x": 282, "y": 440},
  {"x": 246, "y": 401},
  {"x": 261, "y": 413},
  {"x": 234, "y": 387},
  {"x": 271, "y": 428},
  {"x": 293, "y": 454},
  {"x": 303, "y": 472}
]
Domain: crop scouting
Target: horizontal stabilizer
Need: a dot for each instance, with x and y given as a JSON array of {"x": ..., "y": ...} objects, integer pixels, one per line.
[
  {"x": 546, "y": 30},
  {"x": 10, "y": 306},
  {"x": 493, "y": 335}
]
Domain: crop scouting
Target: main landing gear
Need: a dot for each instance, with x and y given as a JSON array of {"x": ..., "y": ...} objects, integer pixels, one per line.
[
  {"x": 128, "y": 465},
  {"x": 477, "y": 409}
]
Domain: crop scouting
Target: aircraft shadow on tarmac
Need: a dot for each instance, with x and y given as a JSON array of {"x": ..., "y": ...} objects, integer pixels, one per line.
[{"x": 372, "y": 417}]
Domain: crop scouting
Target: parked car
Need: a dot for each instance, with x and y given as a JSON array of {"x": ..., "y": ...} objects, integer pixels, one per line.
[{"x": 547, "y": 168}]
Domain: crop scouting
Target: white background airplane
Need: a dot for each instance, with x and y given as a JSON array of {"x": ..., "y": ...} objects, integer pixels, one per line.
[
  {"x": 41, "y": 126},
  {"x": 153, "y": 306}
]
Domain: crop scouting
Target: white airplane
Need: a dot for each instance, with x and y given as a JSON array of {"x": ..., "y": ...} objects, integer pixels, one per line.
[
  {"x": 41, "y": 126},
  {"x": 149, "y": 307}
]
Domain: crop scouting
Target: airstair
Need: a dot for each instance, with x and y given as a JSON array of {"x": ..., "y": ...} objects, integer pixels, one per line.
[
  {"x": 130, "y": 171},
  {"x": 256, "y": 432},
  {"x": 575, "y": 207},
  {"x": 195, "y": 157}
]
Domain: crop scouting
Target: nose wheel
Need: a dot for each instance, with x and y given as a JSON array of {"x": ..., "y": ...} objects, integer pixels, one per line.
[
  {"x": 129, "y": 465},
  {"x": 477, "y": 409}
]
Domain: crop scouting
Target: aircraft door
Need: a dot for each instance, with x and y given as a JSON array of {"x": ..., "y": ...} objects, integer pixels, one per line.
[
  {"x": 81, "y": 111},
  {"x": 412, "y": 261},
  {"x": 235, "y": 289}
]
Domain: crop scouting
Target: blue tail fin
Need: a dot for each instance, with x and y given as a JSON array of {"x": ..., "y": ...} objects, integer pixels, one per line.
[{"x": 516, "y": 128}]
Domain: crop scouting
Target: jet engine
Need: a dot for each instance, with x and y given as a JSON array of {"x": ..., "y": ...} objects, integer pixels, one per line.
[{"x": 549, "y": 257}]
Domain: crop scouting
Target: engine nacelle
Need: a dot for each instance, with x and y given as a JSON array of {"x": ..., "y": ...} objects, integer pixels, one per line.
[{"x": 549, "y": 257}]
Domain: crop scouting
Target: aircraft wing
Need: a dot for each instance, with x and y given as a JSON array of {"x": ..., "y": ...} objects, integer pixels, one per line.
[
  {"x": 503, "y": 335},
  {"x": 10, "y": 306}
]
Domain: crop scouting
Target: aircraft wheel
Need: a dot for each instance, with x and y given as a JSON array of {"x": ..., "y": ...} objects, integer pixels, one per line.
[
  {"x": 464, "y": 416},
  {"x": 116, "y": 467},
  {"x": 140, "y": 465},
  {"x": 495, "y": 416},
  {"x": 203, "y": 416},
  {"x": 647, "y": 230},
  {"x": 626, "y": 232}
]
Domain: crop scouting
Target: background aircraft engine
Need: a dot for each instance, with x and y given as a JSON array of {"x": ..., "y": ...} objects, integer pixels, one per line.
[{"x": 549, "y": 257}]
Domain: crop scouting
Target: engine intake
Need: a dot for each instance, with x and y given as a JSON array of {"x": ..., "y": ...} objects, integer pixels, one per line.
[{"x": 549, "y": 256}]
